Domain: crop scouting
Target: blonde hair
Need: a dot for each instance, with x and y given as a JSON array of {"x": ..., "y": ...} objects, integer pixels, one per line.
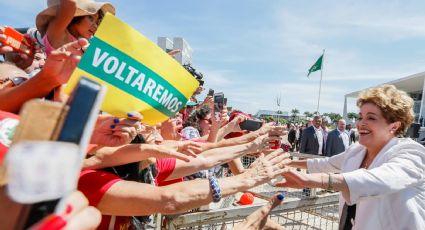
[{"x": 394, "y": 104}]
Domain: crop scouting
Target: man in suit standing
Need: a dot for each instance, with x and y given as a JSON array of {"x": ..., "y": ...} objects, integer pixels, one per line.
[
  {"x": 312, "y": 138},
  {"x": 338, "y": 140}
]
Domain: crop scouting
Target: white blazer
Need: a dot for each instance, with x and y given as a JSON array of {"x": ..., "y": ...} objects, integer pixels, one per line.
[{"x": 391, "y": 193}]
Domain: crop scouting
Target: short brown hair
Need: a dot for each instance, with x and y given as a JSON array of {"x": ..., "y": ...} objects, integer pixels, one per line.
[{"x": 395, "y": 105}]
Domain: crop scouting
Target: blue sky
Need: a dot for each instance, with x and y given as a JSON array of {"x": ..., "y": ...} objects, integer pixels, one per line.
[{"x": 255, "y": 50}]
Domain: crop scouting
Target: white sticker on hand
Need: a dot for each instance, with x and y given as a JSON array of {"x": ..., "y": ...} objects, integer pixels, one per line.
[{"x": 42, "y": 170}]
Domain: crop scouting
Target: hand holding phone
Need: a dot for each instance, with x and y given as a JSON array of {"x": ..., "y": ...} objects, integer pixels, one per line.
[
  {"x": 19, "y": 42},
  {"x": 210, "y": 92},
  {"x": 250, "y": 125},
  {"x": 218, "y": 102}
]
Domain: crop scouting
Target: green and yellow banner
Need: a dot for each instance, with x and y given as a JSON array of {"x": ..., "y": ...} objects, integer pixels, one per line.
[{"x": 139, "y": 75}]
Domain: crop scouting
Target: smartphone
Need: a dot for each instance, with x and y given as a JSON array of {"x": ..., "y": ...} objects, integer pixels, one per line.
[
  {"x": 84, "y": 106},
  {"x": 218, "y": 102},
  {"x": 250, "y": 125},
  {"x": 211, "y": 92},
  {"x": 19, "y": 42},
  {"x": 225, "y": 101}
]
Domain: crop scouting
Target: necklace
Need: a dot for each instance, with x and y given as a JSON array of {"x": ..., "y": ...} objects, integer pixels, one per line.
[
  {"x": 364, "y": 165},
  {"x": 366, "y": 162}
]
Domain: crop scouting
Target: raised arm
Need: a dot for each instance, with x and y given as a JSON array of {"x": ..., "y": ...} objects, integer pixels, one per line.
[
  {"x": 218, "y": 156},
  {"x": 112, "y": 156},
  {"x": 57, "y": 27},
  {"x": 126, "y": 198},
  {"x": 13, "y": 98},
  {"x": 57, "y": 70}
]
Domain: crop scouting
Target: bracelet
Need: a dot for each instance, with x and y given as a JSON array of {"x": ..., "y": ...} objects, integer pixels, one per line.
[
  {"x": 215, "y": 188},
  {"x": 330, "y": 187}
]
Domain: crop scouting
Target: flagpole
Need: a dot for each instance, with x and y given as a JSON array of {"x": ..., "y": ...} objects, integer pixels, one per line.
[{"x": 320, "y": 87}]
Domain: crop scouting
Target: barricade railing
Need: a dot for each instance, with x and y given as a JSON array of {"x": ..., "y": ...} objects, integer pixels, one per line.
[{"x": 302, "y": 208}]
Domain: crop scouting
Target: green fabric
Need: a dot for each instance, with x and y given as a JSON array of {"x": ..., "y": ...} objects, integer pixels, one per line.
[
  {"x": 169, "y": 91},
  {"x": 317, "y": 66}
]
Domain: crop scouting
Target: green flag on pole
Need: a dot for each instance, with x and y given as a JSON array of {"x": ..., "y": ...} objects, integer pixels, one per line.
[{"x": 317, "y": 66}]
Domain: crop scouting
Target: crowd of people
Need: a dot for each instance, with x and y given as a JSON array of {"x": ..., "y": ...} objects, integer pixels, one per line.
[
  {"x": 133, "y": 170},
  {"x": 315, "y": 138}
]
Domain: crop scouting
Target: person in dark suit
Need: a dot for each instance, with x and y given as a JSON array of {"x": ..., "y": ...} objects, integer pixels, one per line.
[
  {"x": 312, "y": 138},
  {"x": 292, "y": 137},
  {"x": 338, "y": 140}
]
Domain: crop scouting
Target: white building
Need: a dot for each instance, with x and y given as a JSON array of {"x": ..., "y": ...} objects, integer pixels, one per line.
[
  {"x": 414, "y": 86},
  {"x": 271, "y": 113},
  {"x": 183, "y": 57}
]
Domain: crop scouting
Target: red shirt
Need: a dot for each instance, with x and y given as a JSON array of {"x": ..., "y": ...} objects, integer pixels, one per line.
[
  {"x": 165, "y": 167},
  {"x": 94, "y": 184}
]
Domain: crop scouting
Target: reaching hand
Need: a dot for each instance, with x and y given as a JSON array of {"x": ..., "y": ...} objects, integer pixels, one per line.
[
  {"x": 151, "y": 134},
  {"x": 293, "y": 179},
  {"x": 20, "y": 59},
  {"x": 111, "y": 131},
  {"x": 259, "y": 219},
  {"x": 268, "y": 167},
  {"x": 161, "y": 152},
  {"x": 222, "y": 119},
  {"x": 272, "y": 130},
  {"x": 189, "y": 148},
  {"x": 263, "y": 143},
  {"x": 234, "y": 124},
  {"x": 208, "y": 101},
  {"x": 61, "y": 63},
  {"x": 77, "y": 215}
]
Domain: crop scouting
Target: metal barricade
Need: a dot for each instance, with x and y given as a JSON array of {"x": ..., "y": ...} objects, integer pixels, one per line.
[
  {"x": 320, "y": 212},
  {"x": 301, "y": 209}
]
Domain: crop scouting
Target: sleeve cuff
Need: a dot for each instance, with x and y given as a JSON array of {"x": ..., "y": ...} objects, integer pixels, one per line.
[
  {"x": 355, "y": 182},
  {"x": 313, "y": 165}
]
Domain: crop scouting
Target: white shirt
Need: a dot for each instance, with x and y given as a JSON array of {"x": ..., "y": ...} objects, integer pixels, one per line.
[
  {"x": 345, "y": 136},
  {"x": 320, "y": 136},
  {"x": 391, "y": 193}
]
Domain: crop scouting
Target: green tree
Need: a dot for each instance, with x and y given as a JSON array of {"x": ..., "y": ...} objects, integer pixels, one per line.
[
  {"x": 282, "y": 121},
  {"x": 335, "y": 117},
  {"x": 353, "y": 116},
  {"x": 268, "y": 119},
  {"x": 308, "y": 115},
  {"x": 294, "y": 114}
]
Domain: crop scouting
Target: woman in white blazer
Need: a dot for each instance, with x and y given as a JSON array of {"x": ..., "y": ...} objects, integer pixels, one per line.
[{"x": 382, "y": 177}]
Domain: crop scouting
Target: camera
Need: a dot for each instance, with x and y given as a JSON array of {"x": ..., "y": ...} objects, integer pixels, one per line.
[{"x": 198, "y": 75}]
